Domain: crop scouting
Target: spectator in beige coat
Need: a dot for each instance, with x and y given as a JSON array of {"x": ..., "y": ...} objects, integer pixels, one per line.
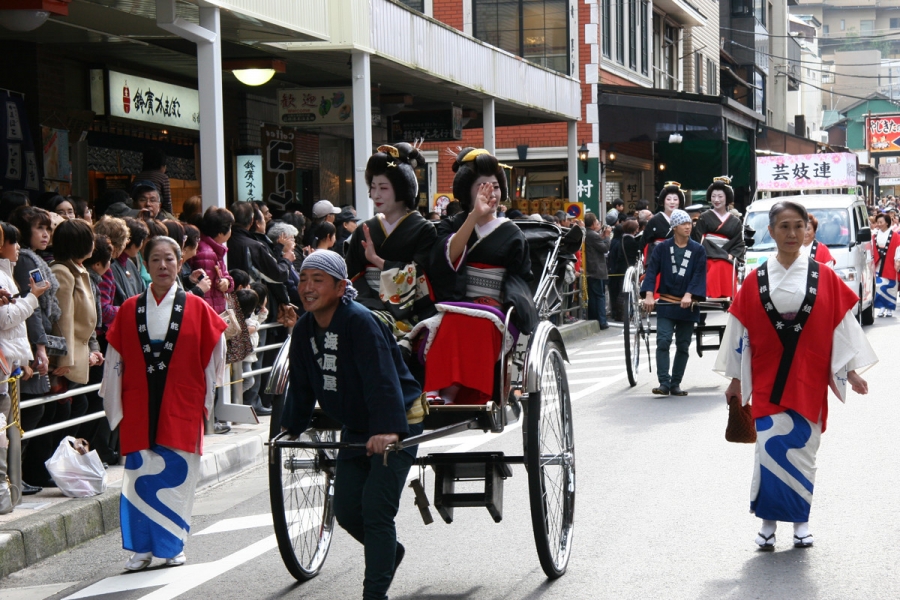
[{"x": 73, "y": 242}]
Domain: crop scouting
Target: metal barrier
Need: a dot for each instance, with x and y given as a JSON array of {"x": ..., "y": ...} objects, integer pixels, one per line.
[{"x": 224, "y": 394}]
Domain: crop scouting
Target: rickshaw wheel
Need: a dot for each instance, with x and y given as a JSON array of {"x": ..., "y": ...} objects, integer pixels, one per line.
[
  {"x": 301, "y": 491},
  {"x": 550, "y": 461},
  {"x": 631, "y": 333}
]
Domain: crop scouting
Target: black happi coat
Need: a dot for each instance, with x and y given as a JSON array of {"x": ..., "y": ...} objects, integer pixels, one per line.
[
  {"x": 410, "y": 242},
  {"x": 730, "y": 228},
  {"x": 504, "y": 247}
]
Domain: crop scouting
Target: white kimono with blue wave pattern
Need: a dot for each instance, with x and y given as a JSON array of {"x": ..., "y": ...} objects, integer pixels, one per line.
[
  {"x": 785, "y": 467},
  {"x": 160, "y": 483}
]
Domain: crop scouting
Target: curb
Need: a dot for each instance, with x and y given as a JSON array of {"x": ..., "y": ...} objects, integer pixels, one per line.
[
  {"x": 55, "y": 529},
  {"x": 579, "y": 330}
]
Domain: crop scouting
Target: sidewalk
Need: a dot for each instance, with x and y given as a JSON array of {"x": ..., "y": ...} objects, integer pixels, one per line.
[{"x": 49, "y": 523}]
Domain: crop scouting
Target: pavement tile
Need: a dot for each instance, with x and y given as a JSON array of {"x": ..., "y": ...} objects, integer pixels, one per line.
[{"x": 12, "y": 552}]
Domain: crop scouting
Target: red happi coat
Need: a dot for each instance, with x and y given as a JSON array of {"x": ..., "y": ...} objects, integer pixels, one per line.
[
  {"x": 889, "y": 271},
  {"x": 823, "y": 255},
  {"x": 806, "y": 390},
  {"x": 181, "y": 418}
]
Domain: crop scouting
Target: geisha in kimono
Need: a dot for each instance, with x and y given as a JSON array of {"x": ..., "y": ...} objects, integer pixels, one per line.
[
  {"x": 388, "y": 254},
  {"x": 790, "y": 336},
  {"x": 887, "y": 257},
  {"x": 722, "y": 236},
  {"x": 658, "y": 228},
  {"x": 161, "y": 410},
  {"x": 480, "y": 266}
]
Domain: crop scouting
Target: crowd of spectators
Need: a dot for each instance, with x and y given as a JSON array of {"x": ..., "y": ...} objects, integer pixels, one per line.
[{"x": 90, "y": 255}]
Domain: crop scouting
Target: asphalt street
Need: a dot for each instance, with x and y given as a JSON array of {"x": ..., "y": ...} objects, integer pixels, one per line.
[{"x": 662, "y": 511}]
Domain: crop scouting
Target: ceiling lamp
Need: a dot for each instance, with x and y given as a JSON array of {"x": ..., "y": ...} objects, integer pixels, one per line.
[
  {"x": 254, "y": 71},
  {"x": 28, "y": 15}
]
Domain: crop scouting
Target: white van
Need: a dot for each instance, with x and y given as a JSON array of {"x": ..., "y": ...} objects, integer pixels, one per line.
[{"x": 843, "y": 227}]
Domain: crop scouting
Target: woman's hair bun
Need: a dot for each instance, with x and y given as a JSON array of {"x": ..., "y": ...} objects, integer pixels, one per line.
[
  {"x": 459, "y": 157},
  {"x": 408, "y": 154}
]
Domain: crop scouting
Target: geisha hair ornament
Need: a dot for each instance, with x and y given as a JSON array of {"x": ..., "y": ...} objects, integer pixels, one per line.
[
  {"x": 389, "y": 150},
  {"x": 334, "y": 265}
]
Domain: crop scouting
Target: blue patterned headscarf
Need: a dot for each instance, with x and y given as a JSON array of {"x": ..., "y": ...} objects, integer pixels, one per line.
[
  {"x": 333, "y": 264},
  {"x": 679, "y": 217}
]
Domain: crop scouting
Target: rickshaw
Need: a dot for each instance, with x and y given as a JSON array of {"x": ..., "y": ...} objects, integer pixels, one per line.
[
  {"x": 637, "y": 328},
  {"x": 532, "y": 386}
]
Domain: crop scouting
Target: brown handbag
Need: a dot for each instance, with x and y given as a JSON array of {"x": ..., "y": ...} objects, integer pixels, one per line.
[{"x": 740, "y": 429}]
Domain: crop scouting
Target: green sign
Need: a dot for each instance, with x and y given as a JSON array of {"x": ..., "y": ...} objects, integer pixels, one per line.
[{"x": 589, "y": 185}]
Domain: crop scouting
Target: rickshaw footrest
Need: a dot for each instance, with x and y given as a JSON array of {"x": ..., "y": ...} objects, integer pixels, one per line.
[{"x": 489, "y": 467}]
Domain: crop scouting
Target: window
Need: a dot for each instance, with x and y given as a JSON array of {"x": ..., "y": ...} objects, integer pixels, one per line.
[
  {"x": 620, "y": 31},
  {"x": 607, "y": 28},
  {"x": 826, "y": 29},
  {"x": 759, "y": 92},
  {"x": 418, "y": 5},
  {"x": 665, "y": 54},
  {"x": 632, "y": 37},
  {"x": 537, "y": 30},
  {"x": 645, "y": 15},
  {"x": 895, "y": 23},
  {"x": 711, "y": 77},
  {"x": 843, "y": 25},
  {"x": 867, "y": 27},
  {"x": 698, "y": 73}
]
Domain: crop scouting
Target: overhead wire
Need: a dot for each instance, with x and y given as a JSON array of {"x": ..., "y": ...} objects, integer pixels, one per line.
[{"x": 799, "y": 60}]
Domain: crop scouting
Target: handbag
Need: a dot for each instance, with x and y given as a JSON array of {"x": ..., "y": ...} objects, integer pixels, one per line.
[
  {"x": 741, "y": 428},
  {"x": 231, "y": 320},
  {"x": 56, "y": 345}
]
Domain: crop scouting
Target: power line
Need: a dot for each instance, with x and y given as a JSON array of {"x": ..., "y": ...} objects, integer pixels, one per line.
[
  {"x": 833, "y": 93},
  {"x": 826, "y": 37},
  {"x": 806, "y": 62},
  {"x": 845, "y": 74}
]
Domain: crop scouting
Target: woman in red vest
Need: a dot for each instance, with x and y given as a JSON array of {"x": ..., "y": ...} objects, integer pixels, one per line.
[
  {"x": 887, "y": 257},
  {"x": 161, "y": 411},
  {"x": 811, "y": 246},
  {"x": 790, "y": 336}
]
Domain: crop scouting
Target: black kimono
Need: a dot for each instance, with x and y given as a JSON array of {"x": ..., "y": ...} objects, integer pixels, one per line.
[
  {"x": 496, "y": 266},
  {"x": 402, "y": 289},
  {"x": 657, "y": 229},
  {"x": 730, "y": 232}
]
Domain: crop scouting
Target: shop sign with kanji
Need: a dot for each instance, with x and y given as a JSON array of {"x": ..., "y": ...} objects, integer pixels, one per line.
[
  {"x": 313, "y": 107},
  {"x": 806, "y": 172},
  {"x": 883, "y": 133},
  {"x": 151, "y": 101},
  {"x": 249, "y": 184}
]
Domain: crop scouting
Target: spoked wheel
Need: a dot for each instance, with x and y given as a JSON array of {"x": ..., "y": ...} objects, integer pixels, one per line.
[
  {"x": 301, "y": 491},
  {"x": 550, "y": 461},
  {"x": 631, "y": 315}
]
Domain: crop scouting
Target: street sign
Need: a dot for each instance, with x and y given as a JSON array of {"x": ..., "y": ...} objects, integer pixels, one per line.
[
  {"x": 806, "y": 172},
  {"x": 589, "y": 185}
]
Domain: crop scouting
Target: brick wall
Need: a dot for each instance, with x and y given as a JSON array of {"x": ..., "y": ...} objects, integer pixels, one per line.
[
  {"x": 306, "y": 150},
  {"x": 449, "y": 12}
]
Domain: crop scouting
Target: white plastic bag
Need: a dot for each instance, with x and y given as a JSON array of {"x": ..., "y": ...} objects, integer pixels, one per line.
[{"x": 76, "y": 475}]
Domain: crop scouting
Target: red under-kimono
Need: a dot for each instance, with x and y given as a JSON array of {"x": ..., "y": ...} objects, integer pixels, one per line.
[
  {"x": 806, "y": 390},
  {"x": 181, "y": 418}
]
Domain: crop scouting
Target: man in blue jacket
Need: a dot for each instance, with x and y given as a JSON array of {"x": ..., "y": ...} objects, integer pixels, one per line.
[
  {"x": 680, "y": 264},
  {"x": 348, "y": 361}
]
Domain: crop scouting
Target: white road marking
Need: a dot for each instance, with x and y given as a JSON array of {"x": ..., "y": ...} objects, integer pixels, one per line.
[
  {"x": 597, "y": 359},
  {"x": 598, "y": 386},
  {"x": 238, "y": 523},
  {"x": 176, "y": 581}
]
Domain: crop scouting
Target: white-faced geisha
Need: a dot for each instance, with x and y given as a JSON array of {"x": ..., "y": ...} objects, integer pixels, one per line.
[
  {"x": 387, "y": 256},
  {"x": 480, "y": 268}
]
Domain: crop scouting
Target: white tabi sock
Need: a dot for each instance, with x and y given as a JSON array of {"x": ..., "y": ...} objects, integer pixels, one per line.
[
  {"x": 801, "y": 530},
  {"x": 768, "y": 527}
]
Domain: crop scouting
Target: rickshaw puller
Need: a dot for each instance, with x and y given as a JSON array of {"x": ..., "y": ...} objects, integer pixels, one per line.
[
  {"x": 680, "y": 263},
  {"x": 342, "y": 356}
]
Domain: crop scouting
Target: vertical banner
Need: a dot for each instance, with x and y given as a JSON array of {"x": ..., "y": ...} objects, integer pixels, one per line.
[
  {"x": 56, "y": 154},
  {"x": 249, "y": 185},
  {"x": 589, "y": 186},
  {"x": 19, "y": 168},
  {"x": 279, "y": 156}
]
